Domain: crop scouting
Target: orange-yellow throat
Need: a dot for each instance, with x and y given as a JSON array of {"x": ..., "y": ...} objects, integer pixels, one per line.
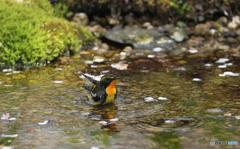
[{"x": 111, "y": 91}]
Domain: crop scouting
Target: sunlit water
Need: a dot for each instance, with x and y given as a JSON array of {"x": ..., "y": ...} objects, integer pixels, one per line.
[{"x": 173, "y": 108}]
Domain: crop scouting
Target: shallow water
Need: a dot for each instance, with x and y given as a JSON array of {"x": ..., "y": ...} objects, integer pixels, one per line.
[{"x": 154, "y": 109}]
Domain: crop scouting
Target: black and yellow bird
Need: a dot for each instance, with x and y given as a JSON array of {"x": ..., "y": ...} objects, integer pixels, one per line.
[{"x": 103, "y": 91}]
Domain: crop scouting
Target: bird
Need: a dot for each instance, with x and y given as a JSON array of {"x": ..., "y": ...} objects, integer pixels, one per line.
[{"x": 103, "y": 91}]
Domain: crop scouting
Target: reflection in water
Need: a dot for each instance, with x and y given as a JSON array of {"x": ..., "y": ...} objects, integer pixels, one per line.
[{"x": 106, "y": 114}]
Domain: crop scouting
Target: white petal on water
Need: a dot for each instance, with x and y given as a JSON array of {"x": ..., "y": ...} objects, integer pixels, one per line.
[
  {"x": 5, "y": 116},
  {"x": 12, "y": 119},
  {"x": 222, "y": 60},
  {"x": 222, "y": 66},
  {"x": 193, "y": 51},
  {"x": 8, "y": 85},
  {"x": 16, "y": 71},
  {"x": 85, "y": 114},
  {"x": 228, "y": 73},
  {"x": 148, "y": 99},
  {"x": 196, "y": 79},
  {"x": 113, "y": 120},
  {"x": 59, "y": 69},
  {"x": 157, "y": 49},
  {"x": 98, "y": 60},
  {"x": 151, "y": 56},
  {"x": 93, "y": 66},
  {"x": 237, "y": 117},
  {"x": 170, "y": 121},
  {"x": 0, "y": 44},
  {"x": 10, "y": 136},
  {"x": 103, "y": 123},
  {"x": 221, "y": 75},
  {"x": 88, "y": 62},
  {"x": 43, "y": 123},
  {"x": 229, "y": 64},
  {"x": 58, "y": 82},
  {"x": 94, "y": 147},
  {"x": 7, "y": 147},
  {"x": 7, "y": 70},
  {"x": 105, "y": 71},
  {"x": 208, "y": 65},
  {"x": 162, "y": 98}
]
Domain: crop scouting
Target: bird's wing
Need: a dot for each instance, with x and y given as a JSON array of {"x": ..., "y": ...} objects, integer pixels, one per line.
[
  {"x": 99, "y": 96},
  {"x": 88, "y": 88},
  {"x": 90, "y": 79}
]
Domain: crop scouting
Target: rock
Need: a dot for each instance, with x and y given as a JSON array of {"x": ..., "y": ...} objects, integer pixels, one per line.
[
  {"x": 231, "y": 40},
  {"x": 236, "y": 19},
  {"x": 165, "y": 28},
  {"x": 96, "y": 29},
  {"x": 101, "y": 51},
  {"x": 179, "y": 35},
  {"x": 201, "y": 18},
  {"x": 219, "y": 46},
  {"x": 232, "y": 25},
  {"x": 127, "y": 49},
  {"x": 113, "y": 21},
  {"x": 63, "y": 61},
  {"x": 81, "y": 19},
  {"x": 104, "y": 46},
  {"x": 138, "y": 37},
  {"x": 203, "y": 29},
  {"x": 195, "y": 40},
  {"x": 199, "y": 7},
  {"x": 146, "y": 24},
  {"x": 222, "y": 20}
]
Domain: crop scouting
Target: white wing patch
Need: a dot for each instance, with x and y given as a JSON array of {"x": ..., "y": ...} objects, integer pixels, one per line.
[{"x": 94, "y": 95}]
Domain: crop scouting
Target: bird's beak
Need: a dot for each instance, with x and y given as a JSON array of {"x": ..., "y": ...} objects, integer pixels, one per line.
[{"x": 117, "y": 78}]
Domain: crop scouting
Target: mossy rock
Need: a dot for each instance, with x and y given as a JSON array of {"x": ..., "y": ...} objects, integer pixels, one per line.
[{"x": 30, "y": 32}]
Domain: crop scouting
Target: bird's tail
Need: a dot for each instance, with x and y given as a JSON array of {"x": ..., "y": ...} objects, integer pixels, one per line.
[{"x": 89, "y": 78}]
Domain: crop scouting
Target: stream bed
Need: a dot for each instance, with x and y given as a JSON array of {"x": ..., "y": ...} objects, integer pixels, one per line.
[{"x": 183, "y": 106}]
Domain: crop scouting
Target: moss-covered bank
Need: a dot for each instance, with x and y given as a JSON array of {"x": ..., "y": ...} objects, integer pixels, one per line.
[{"x": 30, "y": 32}]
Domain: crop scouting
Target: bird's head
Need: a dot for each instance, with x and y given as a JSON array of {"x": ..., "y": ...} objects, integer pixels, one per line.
[{"x": 107, "y": 80}]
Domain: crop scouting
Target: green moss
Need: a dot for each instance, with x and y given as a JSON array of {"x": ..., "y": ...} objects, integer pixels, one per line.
[{"x": 31, "y": 33}]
